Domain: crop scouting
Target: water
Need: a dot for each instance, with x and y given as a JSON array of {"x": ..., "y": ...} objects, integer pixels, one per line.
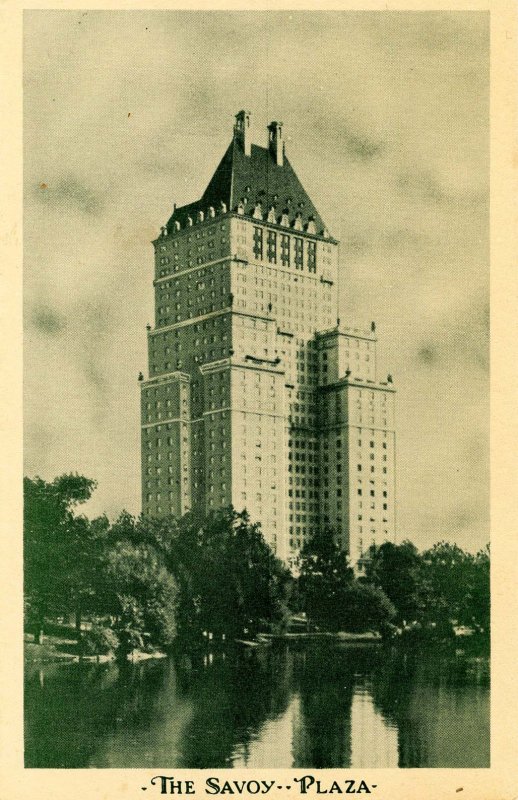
[{"x": 316, "y": 705}]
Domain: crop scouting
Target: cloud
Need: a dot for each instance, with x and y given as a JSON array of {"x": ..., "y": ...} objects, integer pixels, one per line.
[
  {"x": 447, "y": 34},
  {"x": 93, "y": 351},
  {"x": 70, "y": 193},
  {"x": 428, "y": 354},
  {"x": 421, "y": 186},
  {"x": 461, "y": 339},
  {"x": 462, "y": 518},
  {"x": 48, "y": 321},
  {"x": 350, "y": 139},
  {"x": 360, "y": 147}
]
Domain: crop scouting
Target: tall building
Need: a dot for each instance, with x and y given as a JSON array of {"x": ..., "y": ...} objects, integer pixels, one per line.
[{"x": 257, "y": 396}]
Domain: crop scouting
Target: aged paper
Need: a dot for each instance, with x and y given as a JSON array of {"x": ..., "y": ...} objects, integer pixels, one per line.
[{"x": 65, "y": 290}]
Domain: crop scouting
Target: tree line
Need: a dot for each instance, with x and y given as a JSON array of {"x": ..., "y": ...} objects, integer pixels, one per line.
[
  {"x": 400, "y": 588},
  {"x": 148, "y": 582}
]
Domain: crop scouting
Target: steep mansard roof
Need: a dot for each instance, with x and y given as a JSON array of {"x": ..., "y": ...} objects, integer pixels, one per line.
[{"x": 253, "y": 179}]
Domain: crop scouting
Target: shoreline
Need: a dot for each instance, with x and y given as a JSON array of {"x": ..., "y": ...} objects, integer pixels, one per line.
[
  {"x": 368, "y": 637},
  {"x": 57, "y": 651}
]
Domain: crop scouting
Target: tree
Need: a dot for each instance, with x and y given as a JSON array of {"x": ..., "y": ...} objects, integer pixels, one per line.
[
  {"x": 455, "y": 585},
  {"x": 230, "y": 581},
  {"x": 396, "y": 570},
  {"x": 137, "y": 589},
  {"x": 324, "y": 579},
  {"x": 479, "y": 609},
  {"x": 61, "y": 550},
  {"x": 366, "y": 607},
  {"x": 446, "y": 572}
]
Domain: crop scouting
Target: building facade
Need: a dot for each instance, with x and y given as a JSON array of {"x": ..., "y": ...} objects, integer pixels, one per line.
[{"x": 257, "y": 397}]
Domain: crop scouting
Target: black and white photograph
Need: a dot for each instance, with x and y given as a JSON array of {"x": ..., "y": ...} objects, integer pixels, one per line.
[{"x": 256, "y": 261}]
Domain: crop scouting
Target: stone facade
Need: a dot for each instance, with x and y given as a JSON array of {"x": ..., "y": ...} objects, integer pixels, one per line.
[{"x": 255, "y": 396}]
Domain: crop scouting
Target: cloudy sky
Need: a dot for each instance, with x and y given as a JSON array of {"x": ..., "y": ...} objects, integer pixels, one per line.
[{"x": 386, "y": 116}]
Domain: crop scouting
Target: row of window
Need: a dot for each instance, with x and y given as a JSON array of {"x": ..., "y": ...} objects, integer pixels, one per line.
[{"x": 285, "y": 249}]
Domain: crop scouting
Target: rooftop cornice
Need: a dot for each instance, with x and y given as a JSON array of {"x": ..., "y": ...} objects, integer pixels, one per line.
[{"x": 208, "y": 221}]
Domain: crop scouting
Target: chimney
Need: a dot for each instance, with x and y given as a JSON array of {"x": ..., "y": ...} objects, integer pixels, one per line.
[
  {"x": 242, "y": 131},
  {"x": 276, "y": 142}
]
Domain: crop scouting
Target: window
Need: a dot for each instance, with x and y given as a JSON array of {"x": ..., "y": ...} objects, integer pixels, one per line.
[
  {"x": 312, "y": 256},
  {"x": 272, "y": 247},
  {"x": 258, "y": 243},
  {"x": 299, "y": 252},
  {"x": 285, "y": 250}
]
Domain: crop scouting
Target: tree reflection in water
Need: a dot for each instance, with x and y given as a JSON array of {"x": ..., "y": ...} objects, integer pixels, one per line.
[{"x": 315, "y": 705}]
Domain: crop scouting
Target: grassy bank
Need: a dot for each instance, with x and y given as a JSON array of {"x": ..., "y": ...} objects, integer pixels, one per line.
[{"x": 60, "y": 645}]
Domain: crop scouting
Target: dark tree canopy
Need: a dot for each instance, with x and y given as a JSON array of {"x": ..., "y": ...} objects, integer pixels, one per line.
[
  {"x": 61, "y": 550},
  {"x": 442, "y": 586},
  {"x": 324, "y": 579},
  {"x": 230, "y": 581},
  {"x": 366, "y": 608},
  {"x": 455, "y": 585},
  {"x": 152, "y": 579},
  {"x": 395, "y": 568}
]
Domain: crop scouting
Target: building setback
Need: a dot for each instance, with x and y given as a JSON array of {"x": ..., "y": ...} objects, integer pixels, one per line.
[{"x": 257, "y": 396}]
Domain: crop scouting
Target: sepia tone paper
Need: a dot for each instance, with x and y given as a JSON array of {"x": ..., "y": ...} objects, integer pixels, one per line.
[{"x": 501, "y": 779}]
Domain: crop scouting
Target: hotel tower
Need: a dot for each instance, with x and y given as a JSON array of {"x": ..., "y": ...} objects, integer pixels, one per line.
[{"x": 258, "y": 396}]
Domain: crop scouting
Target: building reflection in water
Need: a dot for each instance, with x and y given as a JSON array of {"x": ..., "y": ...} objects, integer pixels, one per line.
[
  {"x": 317, "y": 706},
  {"x": 374, "y": 740}
]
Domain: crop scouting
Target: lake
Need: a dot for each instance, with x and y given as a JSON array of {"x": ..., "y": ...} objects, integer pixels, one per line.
[{"x": 318, "y": 705}]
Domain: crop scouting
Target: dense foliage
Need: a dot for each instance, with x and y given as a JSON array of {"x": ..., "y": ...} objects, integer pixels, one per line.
[
  {"x": 145, "y": 582},
  {"x": 395, "y": 568},
  {"x": 324, "y": 579},
  {"x": 331, "y": 596},
  {"x": 443, "y": 586},
  {"x": 148, "y": 580},
  {"x": 433, "y": 590},
  {"x": 62, "y": 551},
  {"x": 230, "y": 581}
]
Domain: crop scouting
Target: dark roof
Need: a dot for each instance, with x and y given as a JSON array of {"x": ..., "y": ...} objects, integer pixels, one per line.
[{"x": 255, "y": 178}]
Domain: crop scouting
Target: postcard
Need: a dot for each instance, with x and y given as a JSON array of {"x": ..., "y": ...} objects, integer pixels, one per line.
[{"x": 259, "y": 492}]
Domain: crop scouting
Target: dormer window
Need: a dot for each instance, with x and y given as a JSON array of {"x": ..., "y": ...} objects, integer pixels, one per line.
[
  {"x": 271, "y": 214},
  {"x": 285, "y": 220},
  {"x": 311, "y": 225},
  {"x": 298, "y": 221},
  {"x": 201, "y": 216},
  {"x": 223, "y": 207},
  {"x": 189, "y": 222},
  {"x": 240, "y": 208},
  {"x": 257, "y": 214},
  {"x": 212, "y": 212}
]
